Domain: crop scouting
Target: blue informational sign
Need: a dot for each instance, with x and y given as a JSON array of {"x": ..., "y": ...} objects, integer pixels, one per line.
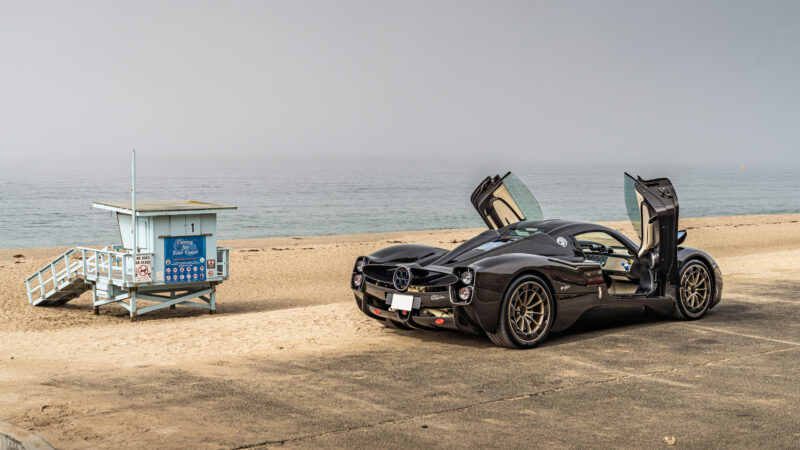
[{"x": 184, "y": 259}]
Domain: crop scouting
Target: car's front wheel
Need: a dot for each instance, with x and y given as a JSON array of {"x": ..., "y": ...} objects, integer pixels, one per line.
[
  {"x": 526, "y": 314},
  {"x": 695, "y": 292}
]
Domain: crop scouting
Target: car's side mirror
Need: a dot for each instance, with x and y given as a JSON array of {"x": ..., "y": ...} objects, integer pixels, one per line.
[{"x": 681, "y": 237}]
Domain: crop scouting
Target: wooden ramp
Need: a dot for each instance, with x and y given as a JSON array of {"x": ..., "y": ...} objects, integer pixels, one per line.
[{"x": 58, "y": 282}]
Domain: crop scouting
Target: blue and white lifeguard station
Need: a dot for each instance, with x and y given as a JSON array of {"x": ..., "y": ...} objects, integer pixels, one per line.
[{"x": 168, "y": 256}]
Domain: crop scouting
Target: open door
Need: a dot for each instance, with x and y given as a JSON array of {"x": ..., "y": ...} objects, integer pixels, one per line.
[
  {"x": 503, "y": 201},
  {"x": 653, "y": 209}
]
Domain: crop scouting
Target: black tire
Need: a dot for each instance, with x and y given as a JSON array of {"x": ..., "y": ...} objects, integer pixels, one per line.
[
  {"x": 396, "y": 325},
  {"x": 695, "y": 291},
  {"x": 526, "y": 314}
]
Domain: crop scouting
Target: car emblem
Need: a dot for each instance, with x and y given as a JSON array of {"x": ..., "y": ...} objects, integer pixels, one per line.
[
  {"x": 562, "y": 241},
  {"x": 401, "y": 278}
]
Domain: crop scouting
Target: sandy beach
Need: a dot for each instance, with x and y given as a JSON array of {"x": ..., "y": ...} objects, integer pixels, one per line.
[{"x": 289, "y": 360}]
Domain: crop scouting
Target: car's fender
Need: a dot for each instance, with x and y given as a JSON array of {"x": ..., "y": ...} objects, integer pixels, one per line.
[
  {"x": 686, "y": 254},
  {"x": 564, "y": 279}
]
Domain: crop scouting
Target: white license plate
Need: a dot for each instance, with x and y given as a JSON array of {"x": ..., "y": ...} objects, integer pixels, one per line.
[{"x": 402, "y": 302}]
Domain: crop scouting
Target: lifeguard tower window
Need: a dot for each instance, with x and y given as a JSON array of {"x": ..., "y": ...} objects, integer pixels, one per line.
[{"x": 176, "y": 260}]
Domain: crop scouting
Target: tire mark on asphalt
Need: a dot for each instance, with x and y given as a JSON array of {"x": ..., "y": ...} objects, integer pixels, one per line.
[
  {"x": 733, "y": 358},
  {"x": 794, "y": 346},
  {"x": 756, "y": 300},
  {"x": 751, "y": 336},
  {"x": 623, "y": 374}
]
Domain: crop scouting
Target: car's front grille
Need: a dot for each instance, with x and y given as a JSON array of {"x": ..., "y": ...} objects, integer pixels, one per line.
[{"x": 380, "y": 284}]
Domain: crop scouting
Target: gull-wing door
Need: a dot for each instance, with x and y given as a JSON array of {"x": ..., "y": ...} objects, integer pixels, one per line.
[
  {"x": 653, "y": 209},
  {"x": 501, "y": 201}
]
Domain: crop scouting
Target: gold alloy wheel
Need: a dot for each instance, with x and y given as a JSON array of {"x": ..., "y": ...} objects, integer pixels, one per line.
[
  {"x": 696, "y": 289},
  {"x": 528, "y": 311}
]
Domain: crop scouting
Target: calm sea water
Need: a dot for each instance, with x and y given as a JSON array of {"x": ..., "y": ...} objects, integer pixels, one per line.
[{"x": 52, "y": 207}]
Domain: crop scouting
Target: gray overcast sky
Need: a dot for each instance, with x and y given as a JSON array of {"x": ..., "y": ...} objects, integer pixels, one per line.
[{"x": 561, "y": 81}]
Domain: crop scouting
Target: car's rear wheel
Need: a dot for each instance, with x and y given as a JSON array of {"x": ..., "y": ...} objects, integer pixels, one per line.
[
  {"x": 526, "y": 314},
  {"x": 695, "y": 291}
]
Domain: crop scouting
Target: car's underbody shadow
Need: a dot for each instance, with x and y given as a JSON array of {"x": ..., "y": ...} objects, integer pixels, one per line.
[
  {"x": 586, "y": 327},
  {"x": 594, "y": 322},
  {"x": 444, "y": 336}
]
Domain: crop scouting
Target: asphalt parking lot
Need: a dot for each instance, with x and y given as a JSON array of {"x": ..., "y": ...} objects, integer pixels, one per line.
[{"x": 729, "y": 380}]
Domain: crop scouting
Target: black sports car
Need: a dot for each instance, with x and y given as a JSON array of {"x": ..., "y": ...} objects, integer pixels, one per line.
[{"x": 526, "y": 276}]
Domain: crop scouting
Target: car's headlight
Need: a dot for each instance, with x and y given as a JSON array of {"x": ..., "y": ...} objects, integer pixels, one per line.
[
  {"x": 465, "y": 293},
  {"x": 358, "y": 279}
]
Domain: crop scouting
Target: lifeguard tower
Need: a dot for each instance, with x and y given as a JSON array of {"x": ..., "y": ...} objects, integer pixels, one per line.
[{"x": 168, "y": 257}]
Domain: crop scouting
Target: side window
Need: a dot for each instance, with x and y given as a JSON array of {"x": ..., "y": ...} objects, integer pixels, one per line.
[{"x": 606, "y": 250}]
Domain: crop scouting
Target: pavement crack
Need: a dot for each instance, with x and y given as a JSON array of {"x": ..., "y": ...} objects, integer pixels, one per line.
[
  {"x": 442, "y": 411},
  {"x": 418, "y": 416},
  {"x": 627, "y": 376}
]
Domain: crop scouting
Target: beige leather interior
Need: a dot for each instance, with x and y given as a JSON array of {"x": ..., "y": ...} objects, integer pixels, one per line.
[
  {"x": 505, "y": 207},
  {"x": 649, "y": 230},
  {"x": 621, "y": 286},
  {"x": 617, "y": 283},
  {"x": 613, "y": 263}
]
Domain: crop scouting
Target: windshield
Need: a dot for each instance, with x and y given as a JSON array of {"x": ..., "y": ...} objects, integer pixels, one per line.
[{"x": 632, "y": 204}]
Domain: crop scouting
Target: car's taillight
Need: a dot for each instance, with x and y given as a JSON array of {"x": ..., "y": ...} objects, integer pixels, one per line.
[{"x": 466, "y": 277}]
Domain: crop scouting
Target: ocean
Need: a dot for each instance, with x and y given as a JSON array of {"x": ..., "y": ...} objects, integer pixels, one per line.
[{"x": 52, "y": 207}]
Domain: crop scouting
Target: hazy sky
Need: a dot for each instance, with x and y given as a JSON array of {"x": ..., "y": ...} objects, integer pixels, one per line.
[{"x": 602, "y": 81}]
